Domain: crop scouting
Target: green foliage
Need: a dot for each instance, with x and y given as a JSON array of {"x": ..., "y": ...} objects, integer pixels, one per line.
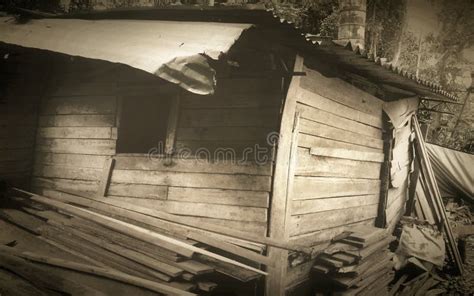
[
  {"x": 445, "y": 62},
  {"x": 40, "y": 5},
  {"x": 384, "y": 26},
  {"x": 79, "y": 5},
  {"x": 313, "y": 16}
]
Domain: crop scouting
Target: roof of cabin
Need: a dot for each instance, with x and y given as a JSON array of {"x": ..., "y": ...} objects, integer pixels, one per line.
[
  {"x": 170, "y": 50},
  {"x": 194, "y": 31}
]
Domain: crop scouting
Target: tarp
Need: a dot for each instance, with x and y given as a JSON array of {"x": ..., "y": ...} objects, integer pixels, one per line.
[
  {"x": 454, "y": 171},
  {"x": 421, "y": 242},
  {"x": 170, "y": 50},
  {"x": 400, "y": 111}
]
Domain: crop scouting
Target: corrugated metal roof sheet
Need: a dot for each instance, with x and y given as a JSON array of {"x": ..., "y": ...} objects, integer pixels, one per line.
[
  {"x": 142, "y": 44},
  {"x": 362, "y": 60},
  {"x": 204, "y": 25}
]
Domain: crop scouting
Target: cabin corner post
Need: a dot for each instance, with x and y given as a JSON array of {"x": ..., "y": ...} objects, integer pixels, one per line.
[
  {"x": 275, "y": 281},
  {"x": 381, "y": 220}
]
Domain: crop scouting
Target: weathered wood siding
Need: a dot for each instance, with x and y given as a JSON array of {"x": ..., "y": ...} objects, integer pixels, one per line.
[
  {"x": 339, "y": 152},
  {"x": 17, "y": 138},
  {"x": 78, "y": 134},
  {"x": 20, "y": 90},
  {"x": 240, "y": 115},
  {"x": 335, "y": 165}
]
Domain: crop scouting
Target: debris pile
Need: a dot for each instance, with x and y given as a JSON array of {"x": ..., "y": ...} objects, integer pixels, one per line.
[
  {"x": 356, "y": 263},
  {"x": 460, "y": 218},
  {"x": 421, "y": 249},
  {"x": 128, "y": 246},
  {"x": 419, "y": 284}
]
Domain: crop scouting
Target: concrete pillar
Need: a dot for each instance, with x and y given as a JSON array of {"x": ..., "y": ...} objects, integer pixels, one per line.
[{"x": 352, "y": 21}]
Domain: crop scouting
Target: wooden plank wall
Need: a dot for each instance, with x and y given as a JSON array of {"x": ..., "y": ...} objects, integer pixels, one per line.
[
  {"x": 17, "y": 138},
  {"x": 20, "y": 90},
  {"x": 77, "y": 135},
  {"x": 338, "y": 158},
  {"x": 338, "y": 155},
  {"x": 240, "y": 114}
]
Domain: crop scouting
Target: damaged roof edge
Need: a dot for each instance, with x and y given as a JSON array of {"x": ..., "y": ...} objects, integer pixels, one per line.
[
  {"x": 381, "y": 62},
  {"x": 174, "y": 51}
]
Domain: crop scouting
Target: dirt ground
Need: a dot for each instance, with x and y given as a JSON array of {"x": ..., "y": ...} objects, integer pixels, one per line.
[{"x": 464, "y": 285}]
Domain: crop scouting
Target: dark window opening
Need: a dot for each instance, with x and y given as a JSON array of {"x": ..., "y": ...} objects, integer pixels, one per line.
[{"x": 143, "y": 124}]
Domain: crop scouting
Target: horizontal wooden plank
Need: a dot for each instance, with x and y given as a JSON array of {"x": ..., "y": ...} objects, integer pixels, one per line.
[
  {"x": 223, "y": 212},
  {"x": 317, "y": 187},
  {"x": 329, "y": 132},
  {"x": 17, "y": 143},
  {"x": 340, "y": 91},
  {"x": 151, "y": 204},
  {"x": 256, "y": 228},
  {"x": 325, "y": 235},
  {"x": 142, "y": 88},
  {"x": 258, "y": 150},
  {"x": 230, "y": 101},
  {"x": 223, "y": 133},
  {"x": 77, "y": 146},
  {"x": 226, "y": 212},
  {"x": 159, "y": 163},
  {"x": 66, "y": 185},
  {"x": 79, "y": 105},
  {"x": 16, "y": 178},
  {"x": 16, "y": 87},
  {"x": 15, "y": 166},
  {"x": 89, "y": 120},
  {"x": 16, "y": 154},
  {"x": 310, "y": 141},
  {"x": 220, "y": 196},
  {"x": 229, "y": 117},
  {"x": 334, "y": 203},
  {"x": 76, "y": 160},
  {"x": 14, "y": 107},
  {"x": 77, "y": 132},
  {"x": 138, "y": 191},
  {"x": 14, "y": 120},
  {"x": 327, "y": 118},
  {"x": 16, "y": 131},
  {"x": 201, "y": 180},
  {"x": 315, "y": 100},
  {"x": 76, "y": 88},
  {"x": 317, "y": 166},
  {"x": 312, "y": 222},
  {"x": 347, "y": 154},
  {"x": 243, "y": 85},
  {"x": 66, "y": 172}
]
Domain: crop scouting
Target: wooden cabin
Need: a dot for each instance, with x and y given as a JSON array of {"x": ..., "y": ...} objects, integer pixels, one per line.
[{"x": 233, "y": 119}]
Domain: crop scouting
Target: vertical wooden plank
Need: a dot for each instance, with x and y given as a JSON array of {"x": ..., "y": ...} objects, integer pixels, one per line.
[
  {"x": 381, "y": 220},
  {"x": 436, "y": 196},
  {"x": 104, "y": 181},
  {"x": 118, "y": 114},
  {"x": 292, "y": 169},
  {"x": 172, "y": 125},
  {"x": 275, "y": 284},
  {"x": 414, "y": 176}
]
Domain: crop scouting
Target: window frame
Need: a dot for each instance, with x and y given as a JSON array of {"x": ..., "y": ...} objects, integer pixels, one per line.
[{"x": 171, "y": 129}]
